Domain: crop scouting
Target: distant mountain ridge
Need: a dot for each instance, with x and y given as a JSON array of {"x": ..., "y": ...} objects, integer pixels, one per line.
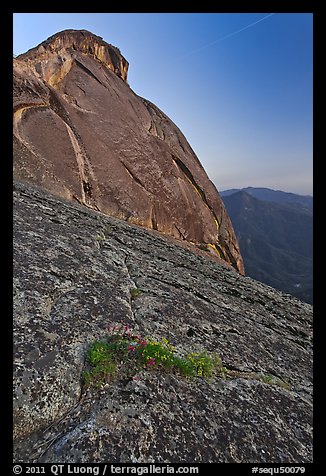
[
  {"x": 275, "y": 237},
  {"x": 304, "y": 202}
]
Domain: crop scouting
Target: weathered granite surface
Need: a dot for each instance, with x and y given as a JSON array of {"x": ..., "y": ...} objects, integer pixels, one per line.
[
  {"x": 73, "y": 272},
  {"x": 81, "y": 133}
]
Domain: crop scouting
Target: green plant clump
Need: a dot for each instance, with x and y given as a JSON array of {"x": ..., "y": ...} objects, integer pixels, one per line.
[
  {"x": 125, "y": 351},
  {"x": 101, "y": 363},
  {"x": 135, "y": 292},
  {"x": 103, "y": 234},
  {"x": 100, "y": 238}
]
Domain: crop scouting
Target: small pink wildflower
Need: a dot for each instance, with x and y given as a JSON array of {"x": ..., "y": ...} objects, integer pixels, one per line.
[
  {"x": 132, "y": 348},
  {"x": 151, "y": 362},
  {"x": 126, "y": 331},
  {"x": 112, "y": 329}
]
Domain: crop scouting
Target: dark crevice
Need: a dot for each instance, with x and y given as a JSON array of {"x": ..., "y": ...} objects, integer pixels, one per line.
[
  {"x": 181, "y": 234},
  {"x": 96, "y": 207},
  {"x": 133, "y": 175},
  {"x": 153, "y": 219},
  {"x": 81, "y": 89},
  {"x": 233, "y": 331},
  {"x": 191, "y": 179},
  {"x": 87, "y": 188},
  {"x": 222, "y": 252},
  {"x": 87, "y": 71},
  {"x": 228, "y": 255},
  {"x": 191, "y": 332}
]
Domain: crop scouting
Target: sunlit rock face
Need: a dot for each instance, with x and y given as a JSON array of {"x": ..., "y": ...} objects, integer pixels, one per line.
[{"x": 81, "y": 133}]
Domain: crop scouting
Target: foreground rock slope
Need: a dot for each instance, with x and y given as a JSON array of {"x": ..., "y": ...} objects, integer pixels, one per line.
[
  {"x": 81, "y": 133},
  {"x": 74, "y": 270}
]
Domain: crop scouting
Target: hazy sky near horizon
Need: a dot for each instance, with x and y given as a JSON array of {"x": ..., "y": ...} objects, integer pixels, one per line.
[{"x": 238, "y": 85}]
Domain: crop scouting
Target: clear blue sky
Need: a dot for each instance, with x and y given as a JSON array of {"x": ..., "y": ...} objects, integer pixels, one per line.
[{"x": 238, "y": 85}]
